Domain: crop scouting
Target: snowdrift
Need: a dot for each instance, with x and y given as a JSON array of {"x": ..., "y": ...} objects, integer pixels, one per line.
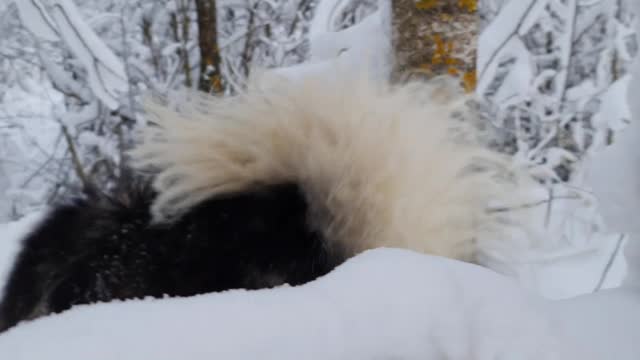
[{"x": 385, "y": 303}]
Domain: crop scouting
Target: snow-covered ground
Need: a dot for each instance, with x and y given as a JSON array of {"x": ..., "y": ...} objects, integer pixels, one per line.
[{"x": 385, "y": 303}]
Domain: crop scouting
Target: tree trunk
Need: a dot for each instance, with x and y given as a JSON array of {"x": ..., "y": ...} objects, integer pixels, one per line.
[
  {"x": 434, "y": 37},
  {"x": 210, "y": 79}
]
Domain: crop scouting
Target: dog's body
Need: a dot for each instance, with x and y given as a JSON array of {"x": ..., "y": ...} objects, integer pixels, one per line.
[
  {"x": 89, "y": 252},
  {"x": 276, "y": 186}
]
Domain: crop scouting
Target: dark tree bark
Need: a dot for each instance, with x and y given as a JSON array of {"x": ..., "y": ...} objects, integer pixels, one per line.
[{"x": 210, "y": 77}]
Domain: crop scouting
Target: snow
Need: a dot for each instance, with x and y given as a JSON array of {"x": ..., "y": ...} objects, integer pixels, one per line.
[
  {"x": 365, "y": 34},
  {"x": 35, "y": 17},
  {"x": 493, "y": 38},
  {"x": 606, "y": 324},
  {"x": 368, "y": 43},
  {"x": 614, "y": 173},
  {"x": 64, "y": 80},
  {"x": 28, "y": 142},
  {"x": 564, "y": 248},
  {"x": 553, "y": 248},
  {"x": 567, "y": 272},
  {"x": 385, "y": 303},
  {"x": 324, "y": 16},
  {"x": 382, "y": 304},
  {"x": 107, "y": 77}
]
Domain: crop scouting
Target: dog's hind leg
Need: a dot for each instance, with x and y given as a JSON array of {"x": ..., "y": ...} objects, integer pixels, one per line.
[{"x": 45, "y": 254}]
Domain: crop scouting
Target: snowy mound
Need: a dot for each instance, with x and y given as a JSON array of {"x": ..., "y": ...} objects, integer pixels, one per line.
[{"x": 385, "y": 303}]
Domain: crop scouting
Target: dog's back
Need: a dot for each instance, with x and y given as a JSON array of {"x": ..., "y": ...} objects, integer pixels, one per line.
[{"x": 98, "y": 251}]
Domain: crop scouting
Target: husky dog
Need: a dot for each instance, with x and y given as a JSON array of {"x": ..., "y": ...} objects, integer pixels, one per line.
[{"x": 277, "y": 185}]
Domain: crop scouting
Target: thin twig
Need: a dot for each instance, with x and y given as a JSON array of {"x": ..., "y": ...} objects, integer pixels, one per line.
[
  {"x": 607, "y": 268},
  {"x": 77, "y": 164},
  {"x": 532, "y": 205}
]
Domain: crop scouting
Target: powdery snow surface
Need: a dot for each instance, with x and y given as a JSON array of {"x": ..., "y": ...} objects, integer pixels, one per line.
[
  {"x": 606, "y": 324},
  {"x": 383, "y": 304}
]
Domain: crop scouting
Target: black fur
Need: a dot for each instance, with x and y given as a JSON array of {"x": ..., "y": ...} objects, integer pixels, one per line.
[{"x": 100, "y": 250}]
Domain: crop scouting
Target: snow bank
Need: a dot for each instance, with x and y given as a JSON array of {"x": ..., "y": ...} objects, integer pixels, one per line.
[
  {"x": 384, "y": 303},
  {"x": 606, "y": 324}
]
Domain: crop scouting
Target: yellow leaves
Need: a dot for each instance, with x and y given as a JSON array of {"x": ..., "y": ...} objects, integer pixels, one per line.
[
  {"x": 443, "y": 53},
  {"x": 443, "y": 61},
  {"x": 469, "y": 81},
  {"x": 216, "y": 83},
  {"x": 469, "y": 5}
]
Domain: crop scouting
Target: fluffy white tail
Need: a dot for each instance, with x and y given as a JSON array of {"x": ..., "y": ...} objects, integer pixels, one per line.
[{"x": 377, "y": 162}]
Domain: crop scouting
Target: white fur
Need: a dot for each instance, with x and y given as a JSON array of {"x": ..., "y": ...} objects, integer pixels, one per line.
[{"x": 375, "y": 161}]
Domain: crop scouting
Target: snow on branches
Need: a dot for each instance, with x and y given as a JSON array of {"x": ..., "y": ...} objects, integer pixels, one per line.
[
  {"x": 552, "y": 84},
  {"x": 62, "y": 20},
  {"x": 551, "y": 74}
]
